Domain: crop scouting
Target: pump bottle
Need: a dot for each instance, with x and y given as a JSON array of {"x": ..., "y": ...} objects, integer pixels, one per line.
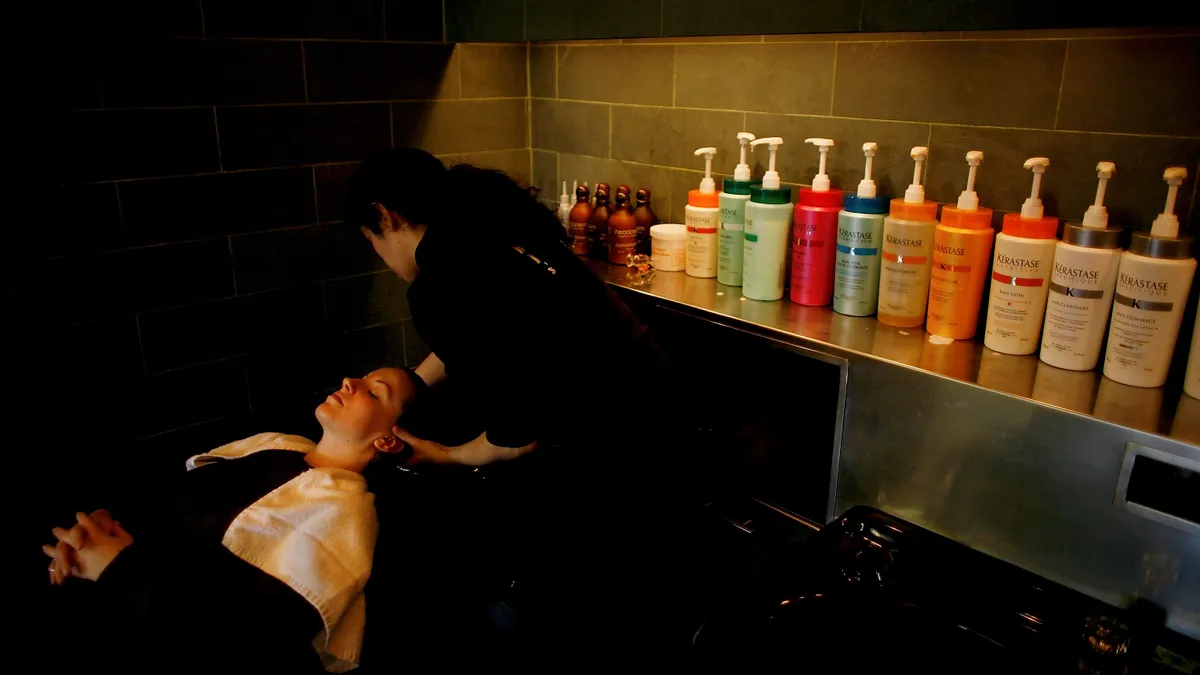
[
  {"x": 598, "y": 225},
  {"x": 962, "y": 247},
  {"x": 907, "y": 247},
  {"x": 581, "y": 213},
  {"x": 859, "y": 236},
  {"x": 644, "y": 216},
  {"x": 1153, "y": 281},
  {"x": 622, "y": 230},
  {"x": 814, "y": 236},
  {"x": 732, "y": 201},
  {"x": 1081, "y": 285},
  {"x": 1021, "y": 273},
  {"x": 702, "y": 216},
  {"x": 768, "y": 221},
  {"x": 564, "y": 210}
]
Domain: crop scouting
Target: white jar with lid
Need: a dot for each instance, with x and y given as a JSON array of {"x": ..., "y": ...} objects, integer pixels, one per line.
[{"x": 668, "y": 247}]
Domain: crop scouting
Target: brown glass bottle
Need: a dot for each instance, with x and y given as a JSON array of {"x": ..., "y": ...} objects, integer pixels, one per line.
[
  {"x": 622, "y": 230},
  {"x": 645, "y": 218},
  {"x": 597, "y": 228},
  {"x": 579, "y": 220}
]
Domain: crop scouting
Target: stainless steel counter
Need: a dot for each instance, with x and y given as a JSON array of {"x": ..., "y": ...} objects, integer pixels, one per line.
[
  {"x": 1020, "y": 460},
  {"x": 1158, "y": 411}
]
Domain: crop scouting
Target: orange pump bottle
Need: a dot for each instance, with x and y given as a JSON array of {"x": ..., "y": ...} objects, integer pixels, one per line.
[
  {"x": 962, "y": 248},
  {"x": 622, "y": 230},
  {"x": 579, "y": 216}
]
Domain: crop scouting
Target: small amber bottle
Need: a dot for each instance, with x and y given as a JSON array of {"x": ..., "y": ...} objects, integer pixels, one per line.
[
  {"x": 622, "y": 230},
  {"x": 597, "y": 228},
  {"x": 580, "y": 213},
  {"x": 644, "y": 217}
]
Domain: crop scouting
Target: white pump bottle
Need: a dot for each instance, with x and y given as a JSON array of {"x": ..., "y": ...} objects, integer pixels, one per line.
[
  {"x": 768, "y": 224},
  {"x": 1152, "y": 289},
  {"x": 1021, "y": 271},
  {"x": 1081, "y": 285},
  {"x": 907, "y": 253},
  {"x": 732, "y": 202},
  {"x": 702, "y": 217}
]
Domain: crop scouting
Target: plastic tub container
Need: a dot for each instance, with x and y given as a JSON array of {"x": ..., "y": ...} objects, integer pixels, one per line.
[{"x": 668, "y": 247}]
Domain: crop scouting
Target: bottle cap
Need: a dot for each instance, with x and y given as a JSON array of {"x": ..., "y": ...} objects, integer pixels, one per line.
[
  {"x": 821, "y": 180},
  {"x": 866, "y": 186},
  {"x": 1032, "y": 208},
  {"x": 1016, "y": 225},
  {"x": 643, "y": 196},
  {"x": 975, "y": 219},
  {"x": 814, "y": 197},
  {"x": 856, "y": 204},
  {"x": 1166, "y": 225},
  {"x": 1169, "y": 248},
  {"x": 733, "y": 186},
  {"x": 706, "y": 196},
  {"x": 742, "y": 172},
  {"x": 770, "y": 179},
  {"x": 915, "y": 194},
  {"x": 1096, "y": 216},
  {"x": 969, "y": 200},
  {"x": 766, "y": 195}
]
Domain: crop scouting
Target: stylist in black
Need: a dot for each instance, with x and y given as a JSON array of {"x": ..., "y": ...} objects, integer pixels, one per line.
[{"x": 578, "y": 401}]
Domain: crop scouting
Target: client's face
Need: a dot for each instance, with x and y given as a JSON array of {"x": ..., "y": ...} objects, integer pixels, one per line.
[{"x": 364, "y": 410}]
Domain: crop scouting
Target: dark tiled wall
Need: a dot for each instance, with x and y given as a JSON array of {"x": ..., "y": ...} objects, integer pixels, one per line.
[
  {"x": 196, "y": 279},
  {"x": 1076, "y": 96},
  {"x": 537, "y": 20}
]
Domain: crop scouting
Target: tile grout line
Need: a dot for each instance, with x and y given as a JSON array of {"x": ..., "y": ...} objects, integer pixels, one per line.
[
  {"x": 304, "y": 70},
  {"x": 555, "y": 72},
  {"x": 137, "y": 324},
  {"x": 217, "y": 137},
  {"x": 833, "y": 82},
  {"x": 391, "y": 127},
  {"x": 383, "y": 17},
  {"x": 443, "y": 21},
  {"x": 862, "y": 8},
  {"x": 316, "y": 204},
  {"x": 892, "y": 121},
  {"x": 232, "y": 270},
  {"x": 610, "y": 131},
  {"x": 203, "y": 22},
  {"x": 1061, "y": 80},
  {"x": 674, "y": 72},
  {"x": 120, "y": 211}
]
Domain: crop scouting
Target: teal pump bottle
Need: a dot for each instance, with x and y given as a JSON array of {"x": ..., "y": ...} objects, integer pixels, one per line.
[
  {"x": 730, "y": 235},
  {"x": 859, "y": 244},
  {"x": 768, "y": 228}
]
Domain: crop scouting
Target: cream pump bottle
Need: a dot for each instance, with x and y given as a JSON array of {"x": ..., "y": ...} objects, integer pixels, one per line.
[
  {"x": 859, "y": 236},
  {"x": 1153, "y": 281},
  {"x": 768, "y": 226},
  {"x": 702, "y": 217},
  {"x": 1191, "y": 381},
  {"x": 1021, "y": 273},
  {"x": 732, "y": 202},
  {"x": 907, "y": 253},
  {"x": 1081, "y": 285}
]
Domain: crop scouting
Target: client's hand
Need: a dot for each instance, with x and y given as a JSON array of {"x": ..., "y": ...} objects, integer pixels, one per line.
[
  {"x": 478, "y": 452},
  {"x": 87, "y": 548}
]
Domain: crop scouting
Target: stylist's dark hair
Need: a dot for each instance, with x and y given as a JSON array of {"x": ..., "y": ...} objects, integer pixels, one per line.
[{"x": 416, "y": 185}]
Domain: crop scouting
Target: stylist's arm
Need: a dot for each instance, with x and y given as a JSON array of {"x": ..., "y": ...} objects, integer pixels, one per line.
[{"x": 478, "y": 452}]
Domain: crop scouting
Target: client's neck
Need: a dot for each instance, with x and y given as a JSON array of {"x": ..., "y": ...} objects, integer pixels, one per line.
[{"x": 336, "y": 454}]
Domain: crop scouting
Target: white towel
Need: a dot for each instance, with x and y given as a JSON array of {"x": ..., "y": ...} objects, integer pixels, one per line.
[{"x": 316, "y": 533}]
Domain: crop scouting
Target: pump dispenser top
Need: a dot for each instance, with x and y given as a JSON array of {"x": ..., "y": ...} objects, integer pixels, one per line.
[
  {"x": 915, "y": 194},
  {"x": 1166, "y": 225},
  {"x": 706, "y": 196},
  {"x": 1096, "y": 217},
  {"x": 866, "y": 186},
  {"x": 1032, "y": 223},
  {"x": 821, "y": 180},
  {"x": 707, "y": 186},
  {"x": 771, "y": 177},
  {"x": 1032, "y": 208},
  {"x": 969, "y": 199},
  {"x": 967, "y": 213},
  {"x": 742, "y": 172}
]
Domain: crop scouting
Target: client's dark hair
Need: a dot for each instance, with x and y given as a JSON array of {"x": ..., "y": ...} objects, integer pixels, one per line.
[{"x": 416, "y": 185}]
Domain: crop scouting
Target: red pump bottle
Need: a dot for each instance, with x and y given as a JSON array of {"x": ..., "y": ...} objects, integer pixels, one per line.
[{"x": 814, "y": 237}]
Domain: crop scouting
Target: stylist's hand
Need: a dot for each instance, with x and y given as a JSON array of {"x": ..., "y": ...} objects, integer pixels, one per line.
[
  {"x": 90, "y": 547},
  {"x": 478, "y": 452}
]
